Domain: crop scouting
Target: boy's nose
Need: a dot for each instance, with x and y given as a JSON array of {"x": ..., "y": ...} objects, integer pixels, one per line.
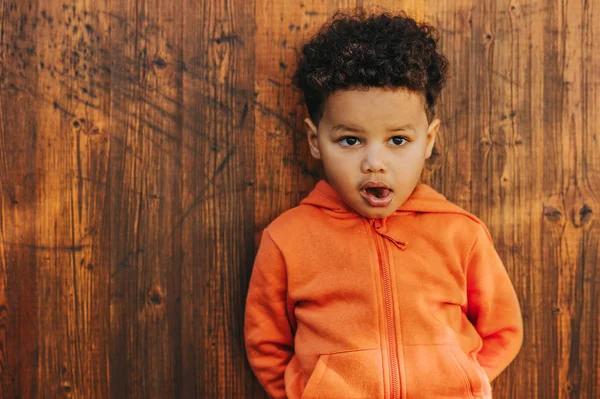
[{"x": 373, "y": 161}]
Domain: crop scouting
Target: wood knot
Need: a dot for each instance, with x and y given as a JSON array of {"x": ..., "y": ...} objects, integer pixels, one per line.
[
  {"x": 77, "y": 123},
  {"x": 552, "y": 213},
  {"x": 570, "y": 386},
  {"x": 66, "y": 386},
  {"x": 583, "y": 216},
  {"x": 154, "y": 297},
  {"x": 160, "y": 62}
]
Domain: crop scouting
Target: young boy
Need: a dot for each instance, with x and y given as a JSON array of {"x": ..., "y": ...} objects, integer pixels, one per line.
[{"x": 376, "y": 286}]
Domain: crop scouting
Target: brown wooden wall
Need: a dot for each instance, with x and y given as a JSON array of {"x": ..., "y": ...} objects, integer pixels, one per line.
[{"x": 144, "y": 144}]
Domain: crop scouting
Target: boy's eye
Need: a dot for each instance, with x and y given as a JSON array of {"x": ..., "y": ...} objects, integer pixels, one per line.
[
  {"x": 399, "y": 140},
  {"x": 350, "y": 140}
]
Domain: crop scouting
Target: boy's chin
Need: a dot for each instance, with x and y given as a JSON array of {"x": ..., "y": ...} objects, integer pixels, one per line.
[
  {"x": 375, "y": 214},
  {"x": 362, "y": 208}
]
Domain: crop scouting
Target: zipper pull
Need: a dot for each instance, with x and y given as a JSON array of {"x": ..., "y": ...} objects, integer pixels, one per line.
[
  {"x": 399, "y": 244},
  {"x": 381, "y": 225}
]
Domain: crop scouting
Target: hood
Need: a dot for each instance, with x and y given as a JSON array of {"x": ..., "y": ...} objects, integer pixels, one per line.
[{"x": 423, "y": 199}]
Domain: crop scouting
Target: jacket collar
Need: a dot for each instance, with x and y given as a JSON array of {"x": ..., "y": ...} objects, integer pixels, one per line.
[{"x": 423, "y": 199}]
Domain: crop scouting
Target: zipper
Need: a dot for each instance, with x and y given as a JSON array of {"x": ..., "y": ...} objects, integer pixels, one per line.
[{"x": 389, "y": 313}]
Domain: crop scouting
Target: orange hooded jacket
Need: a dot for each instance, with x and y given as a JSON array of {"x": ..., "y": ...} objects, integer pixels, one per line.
[{"x": 414, "y": 305}]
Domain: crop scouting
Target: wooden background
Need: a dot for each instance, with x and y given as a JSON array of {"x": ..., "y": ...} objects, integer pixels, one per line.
[{"x": 144, "y": 144}]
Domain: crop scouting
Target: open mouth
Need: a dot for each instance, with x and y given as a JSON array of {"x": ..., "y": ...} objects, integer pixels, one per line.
[
  {"x": 377, "y": 196},
  {"x": 378, "y": 192}
]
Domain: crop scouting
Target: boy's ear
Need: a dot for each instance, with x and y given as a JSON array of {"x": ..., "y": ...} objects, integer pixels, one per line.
[
  {"x": 313, "y": 141},
  {"x": 431, "y": 135}
]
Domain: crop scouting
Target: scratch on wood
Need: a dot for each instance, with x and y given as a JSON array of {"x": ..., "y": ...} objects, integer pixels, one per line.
[
  {"x": 223, "y": 162},
  {"x": 199, "y": 198},
  {"x": 73, "y": 248},
  {"x": 244, "y": 115}
]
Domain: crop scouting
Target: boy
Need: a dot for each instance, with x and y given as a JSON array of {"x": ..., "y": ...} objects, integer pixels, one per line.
[{"x": 376, "y": 286}]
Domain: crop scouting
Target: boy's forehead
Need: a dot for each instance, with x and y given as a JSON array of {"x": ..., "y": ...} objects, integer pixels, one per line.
[
  {"x": 375, "y": 106},
  {"x": 377, "y": 94}
]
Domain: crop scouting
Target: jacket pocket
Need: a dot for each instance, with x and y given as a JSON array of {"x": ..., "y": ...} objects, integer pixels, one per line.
[
  {"x": 293, "y": 379},
  {"x": 443, "y": 371},
  {"x": 353, "y": 374}
]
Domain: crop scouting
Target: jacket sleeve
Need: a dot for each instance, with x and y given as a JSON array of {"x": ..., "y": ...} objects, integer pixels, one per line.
[
  {"x": 492, "y": 307},
  {"x": 267, "y": 325}
]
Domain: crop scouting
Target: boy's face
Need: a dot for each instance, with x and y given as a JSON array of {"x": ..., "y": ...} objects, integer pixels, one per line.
[{"x": 357, "y": 141}]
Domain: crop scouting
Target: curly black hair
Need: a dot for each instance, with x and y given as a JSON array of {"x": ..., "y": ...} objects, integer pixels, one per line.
[{"x": 357, "y": 50}]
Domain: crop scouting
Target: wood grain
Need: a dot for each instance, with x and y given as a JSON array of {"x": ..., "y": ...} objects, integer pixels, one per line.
[
  {"x": 19, "y": 178},
  {"x": 144, "y": 145},
  {"x": 218, "y": 204}
]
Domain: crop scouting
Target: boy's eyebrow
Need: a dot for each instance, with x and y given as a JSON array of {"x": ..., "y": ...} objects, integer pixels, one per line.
[
  {"x": 341, "y": 126},
  {"x": 408, "y": 126}
]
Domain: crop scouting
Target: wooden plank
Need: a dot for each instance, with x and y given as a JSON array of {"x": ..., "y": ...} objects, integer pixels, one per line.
[
  {"x": 163, "y": 110},
  {"x": 70, "y": 336},
  {"x": 79, "y": 88},
  {"x": 504, "y": 108},
  {"x": 146, "y": 115},
  {"x": 144, "y": 237},
  {"x": 125, "y": 215},
  {"x": 218, "y": 194},
  {"x": 19, "y": 322},
  {"x": 586, "y": 368},
  {"x": 570, "y": 242}
]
